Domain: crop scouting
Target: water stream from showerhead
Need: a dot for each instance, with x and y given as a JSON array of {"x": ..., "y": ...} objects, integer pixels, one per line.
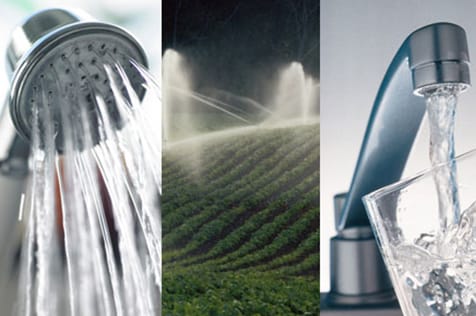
[
  {"x": 102, "y": 245},
  {"x": 85, "y": 101}
]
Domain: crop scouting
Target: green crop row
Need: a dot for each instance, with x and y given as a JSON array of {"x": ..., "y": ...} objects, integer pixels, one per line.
[
  {"x": 287, "y": 237},
  {"x": 216, "y": 156},
  {"x": 241, "y": 193},
  {"x": 186, "y": 204},
  {"x": 261, "y": 237},
  {"x": 208, "y": 162},
  {"x": 210, "y": 229},
  {"x": 285, "y": 203},
  {"x": 308, "y": 245},
  {"x": 223, "y": 191},
  {"x": 307, "y": 265},
  {"x": 220, "y": 162},
  {"x": 175, "y": 157},
  {"x": 238, "y": 294}
]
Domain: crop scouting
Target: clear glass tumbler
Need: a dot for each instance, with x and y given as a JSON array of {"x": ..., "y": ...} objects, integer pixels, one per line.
[{"x": 432, "y": 266}]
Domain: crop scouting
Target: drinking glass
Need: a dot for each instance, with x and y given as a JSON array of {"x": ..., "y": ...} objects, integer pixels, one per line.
[{"x": 432, "y": 266}]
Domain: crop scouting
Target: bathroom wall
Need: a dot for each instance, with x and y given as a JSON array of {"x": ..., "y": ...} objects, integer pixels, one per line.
[{"x": 358, "y": 41}]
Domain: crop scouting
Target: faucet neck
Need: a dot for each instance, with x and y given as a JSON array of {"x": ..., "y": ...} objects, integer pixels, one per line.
[{"x": 394, "y": 122}]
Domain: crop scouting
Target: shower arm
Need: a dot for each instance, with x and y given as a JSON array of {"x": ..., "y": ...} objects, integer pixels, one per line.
[
  {"x": 433, "y": 55},
  {"x": 14, "y": 150}
]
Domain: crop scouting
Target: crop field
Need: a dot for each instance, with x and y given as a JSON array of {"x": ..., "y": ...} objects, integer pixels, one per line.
[{"x": 240, "y": 216}]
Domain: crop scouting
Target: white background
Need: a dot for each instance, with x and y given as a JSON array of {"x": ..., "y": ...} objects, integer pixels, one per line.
[{"x": 358, "y": 40}]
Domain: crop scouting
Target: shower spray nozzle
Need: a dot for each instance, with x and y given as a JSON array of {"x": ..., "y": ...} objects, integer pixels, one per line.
[{"x": 59, "y": 56}]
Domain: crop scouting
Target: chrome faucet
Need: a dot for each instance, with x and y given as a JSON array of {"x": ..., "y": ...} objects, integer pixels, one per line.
[{"x": 431, "y": 56}]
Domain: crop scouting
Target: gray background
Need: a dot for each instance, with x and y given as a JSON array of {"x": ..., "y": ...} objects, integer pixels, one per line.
[{"x": 358, "y": 40}]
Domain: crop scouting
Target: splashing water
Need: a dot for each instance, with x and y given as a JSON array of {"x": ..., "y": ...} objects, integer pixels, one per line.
[
  {"x": 93, "y": 240},
  {"x": 438, "y": 272},
  {"x": 176, "y": 75},
  {"x": 296, "y": 95},
  {"x": 183, "y": 105},
  {"x": 189, "y": 113}
]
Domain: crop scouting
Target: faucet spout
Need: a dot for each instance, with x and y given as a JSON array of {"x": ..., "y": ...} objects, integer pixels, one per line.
[{"x": 431, "y": 56}]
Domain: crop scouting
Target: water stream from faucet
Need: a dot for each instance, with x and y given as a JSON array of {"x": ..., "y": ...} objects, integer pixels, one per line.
[{"x": 441, "y": 108}]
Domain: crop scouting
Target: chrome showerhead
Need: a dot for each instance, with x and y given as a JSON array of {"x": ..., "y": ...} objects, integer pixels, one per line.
[{"x": 58, "y": 56}]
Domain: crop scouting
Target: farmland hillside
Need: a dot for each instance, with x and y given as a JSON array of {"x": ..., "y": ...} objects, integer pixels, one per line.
[{"x": 241, "y": 224}]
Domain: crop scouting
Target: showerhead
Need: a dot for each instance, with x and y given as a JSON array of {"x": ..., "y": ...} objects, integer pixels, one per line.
[{"x": 57, "y": 56}]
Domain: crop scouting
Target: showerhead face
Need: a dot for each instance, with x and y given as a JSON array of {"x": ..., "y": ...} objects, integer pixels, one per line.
[{"x": 58, "y": 57}]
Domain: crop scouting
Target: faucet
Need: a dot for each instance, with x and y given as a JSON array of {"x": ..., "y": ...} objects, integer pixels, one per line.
[{"x": 431, "y": 56}]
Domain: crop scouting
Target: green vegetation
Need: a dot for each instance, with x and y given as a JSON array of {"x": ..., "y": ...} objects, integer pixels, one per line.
[{"x": 241, "y": 224}]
